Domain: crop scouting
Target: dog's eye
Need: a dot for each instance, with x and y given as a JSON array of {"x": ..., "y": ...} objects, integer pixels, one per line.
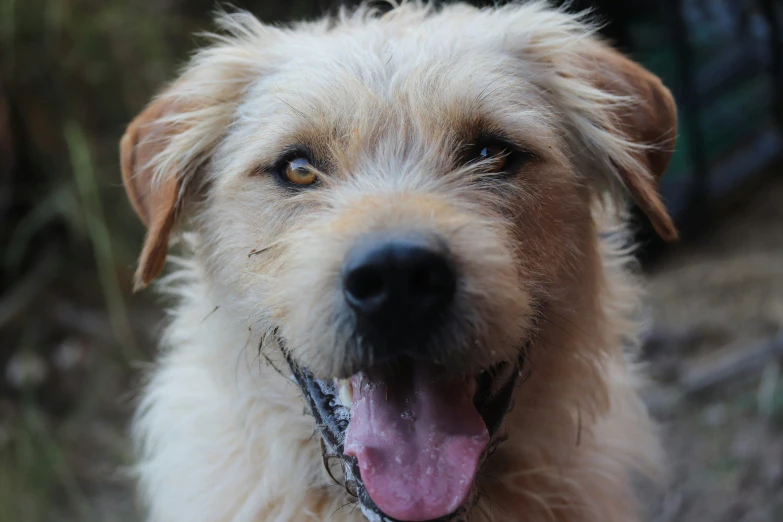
[
  {"x": 497, "y": 156},
  {"x": 296, "y": 168},
  {"x": 300, "y": 172},
  {"x": 495, "y": 152}
]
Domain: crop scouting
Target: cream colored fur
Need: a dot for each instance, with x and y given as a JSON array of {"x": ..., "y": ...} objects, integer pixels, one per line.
[{"x": 222, "y": 436}]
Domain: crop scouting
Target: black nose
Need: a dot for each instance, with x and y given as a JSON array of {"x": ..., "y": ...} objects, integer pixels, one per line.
[{"x": 396, "y": 286}]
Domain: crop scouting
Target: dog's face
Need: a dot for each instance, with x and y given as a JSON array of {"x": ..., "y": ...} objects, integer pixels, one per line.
[{"x": 395, "y": 201}]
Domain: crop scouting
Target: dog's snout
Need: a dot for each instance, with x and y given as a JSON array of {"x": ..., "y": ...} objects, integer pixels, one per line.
[{"x": 398, "y": 283}]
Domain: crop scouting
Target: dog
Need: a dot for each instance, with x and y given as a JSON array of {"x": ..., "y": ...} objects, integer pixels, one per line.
[{"x": 403, "y": 288}]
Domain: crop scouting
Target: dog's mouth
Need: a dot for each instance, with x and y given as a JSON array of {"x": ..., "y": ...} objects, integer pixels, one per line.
[{"x": 411, "y": 436}]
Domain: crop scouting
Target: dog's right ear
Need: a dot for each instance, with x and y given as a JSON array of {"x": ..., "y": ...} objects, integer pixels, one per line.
[
  {"x": 167, "y": 143},
  {"x": 154, "y": 196}
]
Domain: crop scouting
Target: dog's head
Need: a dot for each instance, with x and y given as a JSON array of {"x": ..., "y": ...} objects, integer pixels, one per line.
[{"x": 398, "y": 199}]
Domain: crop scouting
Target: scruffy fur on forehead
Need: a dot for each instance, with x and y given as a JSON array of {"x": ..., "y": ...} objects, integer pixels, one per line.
[
  {"x": 386, "y": 104},
  {"x": 553, "y": 46}
]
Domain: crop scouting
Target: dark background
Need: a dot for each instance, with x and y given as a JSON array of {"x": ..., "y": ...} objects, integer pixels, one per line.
[{"x": 73, "y": 338}]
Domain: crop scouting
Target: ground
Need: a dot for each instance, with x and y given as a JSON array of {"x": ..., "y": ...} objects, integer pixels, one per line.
[{"x": 715, "y": 356}]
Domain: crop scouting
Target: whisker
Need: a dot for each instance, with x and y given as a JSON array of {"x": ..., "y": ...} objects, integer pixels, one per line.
[
  {"x": 210, "y": 313},
  {"x": 327, "y": 486},
  {"x": 491, "y": 502},
  {"x": 341, "y": 507},
  {"x": 549, "y": 311},
  {"x": 268, "y": 360},
  {"x": 258, "y": 251},
  {"x": 481, "y": 509},
  {"x": 558, "y": 326},
  {"x": 325, "y": 458}
]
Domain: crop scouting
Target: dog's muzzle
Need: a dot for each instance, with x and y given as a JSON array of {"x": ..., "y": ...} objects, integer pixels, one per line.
[{"x": 409, "y": 425}]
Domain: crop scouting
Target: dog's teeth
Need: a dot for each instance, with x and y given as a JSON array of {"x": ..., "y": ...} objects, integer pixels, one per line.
[{"x": 345, "y": 392}]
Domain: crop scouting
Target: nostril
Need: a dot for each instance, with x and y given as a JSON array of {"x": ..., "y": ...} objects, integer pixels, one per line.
[{"x": 365, "y": 283}]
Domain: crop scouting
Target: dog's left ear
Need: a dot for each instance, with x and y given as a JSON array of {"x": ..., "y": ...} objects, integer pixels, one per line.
[
  {"x": 155, "y": 200},
  {"x": 649, "y": 121}
]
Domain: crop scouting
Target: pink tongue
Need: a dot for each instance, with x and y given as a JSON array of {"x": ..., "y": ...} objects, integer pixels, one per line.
[{"x": 418, "y": 441}]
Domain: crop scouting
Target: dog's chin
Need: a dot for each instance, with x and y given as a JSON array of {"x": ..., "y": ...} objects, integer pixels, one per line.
[{"x": 411, "y": 435}]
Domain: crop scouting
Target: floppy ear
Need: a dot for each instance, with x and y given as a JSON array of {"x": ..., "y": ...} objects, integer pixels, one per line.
[
  {"x": 155, "y": 201},
  {"x": 175, "y": 135},
  {"x": 650, "y": 122}
]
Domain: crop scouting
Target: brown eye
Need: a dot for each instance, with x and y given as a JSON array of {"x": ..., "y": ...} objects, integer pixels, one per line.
[
  {"x": 300, "y": 171},
  {"x": 296, "y": 168},
  {"x": 496, "y": 153},
  {"x": 497, "y": 156}
]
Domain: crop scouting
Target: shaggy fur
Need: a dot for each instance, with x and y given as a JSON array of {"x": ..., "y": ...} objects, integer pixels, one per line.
[{"x": 388, "y": 101}]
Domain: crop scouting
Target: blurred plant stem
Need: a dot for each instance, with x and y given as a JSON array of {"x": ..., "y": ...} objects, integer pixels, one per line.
[
  {"x": 7, "y": 18},
  {"x": 95, "y": 221}
]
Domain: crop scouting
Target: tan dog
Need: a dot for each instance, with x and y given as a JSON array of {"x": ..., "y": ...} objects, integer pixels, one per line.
[{"x": 401, "y": 223}]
